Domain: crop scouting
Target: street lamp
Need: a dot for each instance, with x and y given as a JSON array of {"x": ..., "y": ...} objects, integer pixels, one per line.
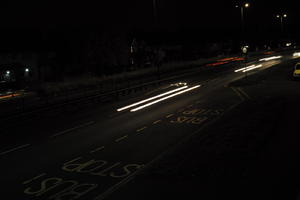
[
  {"x": 243, "y": 6},
  {"x": 281, "y": 17},
  {"x": 244, "y": 49},
  {"x": 155, "y": 12}
]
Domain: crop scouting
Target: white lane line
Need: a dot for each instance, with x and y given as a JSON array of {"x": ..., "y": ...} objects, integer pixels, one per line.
[
  {"x": 244, "y": 93},
  {"x": 97, "y": 149},
  {"x": 15, "y": 149},
  {"x": 72, "y": 129},
  {"x": 170, "y": 115},
  {"x": 156, "y": 122},
  {"x": 34, "y": 178},
  {"x": 151, "y": 98},
  {"x": 141, "y": 129},
  {"x": 121, "y": 138},
  {"x": 165, "y": 98},
  {"x": 238, "y": 94}
]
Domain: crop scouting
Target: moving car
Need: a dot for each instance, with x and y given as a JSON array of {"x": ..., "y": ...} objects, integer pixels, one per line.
[{"x": 297, "y": 71}]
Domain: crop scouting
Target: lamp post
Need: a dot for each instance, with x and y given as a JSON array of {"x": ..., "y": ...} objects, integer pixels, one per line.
[
  {"x": 155, "y": 12},
  {"x": 281, "y": 17},
  {"x": 242, "y": 7}
]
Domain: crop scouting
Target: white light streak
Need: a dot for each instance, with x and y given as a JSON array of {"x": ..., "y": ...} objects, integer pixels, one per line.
[
  {"x": 244, "y": 68},
  {"x": 252, "y": 68},
  {"x": 270, "y": 58},
  {"x": 151, "y": 98},
  {"x": 165, "y": 98},
  {"x": 296, "y": 54}
]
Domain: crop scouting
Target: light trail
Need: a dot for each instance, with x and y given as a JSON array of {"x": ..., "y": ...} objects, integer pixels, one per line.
[
  {"x": 151, "y": 98},
  {"x": 270, "y": 58},
  {"x": 244, "y": 68},
  {"x": 252, "y": 68},
  {"x": 165, "y": 98}
]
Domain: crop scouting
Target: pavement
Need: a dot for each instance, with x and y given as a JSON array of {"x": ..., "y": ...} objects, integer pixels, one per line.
[{"x": 94, "y": 152}]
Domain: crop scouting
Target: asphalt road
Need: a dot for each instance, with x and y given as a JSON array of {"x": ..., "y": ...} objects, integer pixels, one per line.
[{"x": 88, "y": 152}]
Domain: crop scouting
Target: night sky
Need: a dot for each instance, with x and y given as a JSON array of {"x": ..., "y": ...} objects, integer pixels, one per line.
[
  {"x": 214, "y": 19},
  {"x": 188, "y": 13}
]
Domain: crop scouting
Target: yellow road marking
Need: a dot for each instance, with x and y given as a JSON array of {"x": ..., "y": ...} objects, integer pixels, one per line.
[
  {"x": 156, "y": 122},
  {"x": 121, "y": 138},
  {"x": 97, "y": 149},
  {"x": 34, "y": 178}
]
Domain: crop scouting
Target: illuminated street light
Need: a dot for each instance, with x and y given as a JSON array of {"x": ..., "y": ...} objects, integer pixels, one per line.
[
  {"x": 26, "y": 70},
  {"x": 7, "y": 72},
  {"x": 247, "y": 5},
  {"x": 281, "y": 16}
]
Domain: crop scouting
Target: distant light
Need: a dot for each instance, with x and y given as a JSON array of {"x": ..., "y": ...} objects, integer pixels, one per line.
[
  {"x": 165, "y": 98},
  {"x": 288, "y": 44},
  {"x": 296, "y": 54},
  {"x": 236, "y": 6},
  {"x": 152, "y": 98},
  {"x": 278, "y": 16},
  {"x": 247, "y": 5},
  {"x": 285, "y": 15},
  {"x": 26, "y": 70},
  {"x": 270, "y": 58},
  {"x": 7, "y": 72}
]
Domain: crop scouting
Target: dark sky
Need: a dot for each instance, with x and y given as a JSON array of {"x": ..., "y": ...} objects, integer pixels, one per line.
[
  {"x": 187, "y": 13},
  {"x": 212, "y": 19}
]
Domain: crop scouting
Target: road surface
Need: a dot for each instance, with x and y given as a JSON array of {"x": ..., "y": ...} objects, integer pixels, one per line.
[{"x": 87, "y": 153}]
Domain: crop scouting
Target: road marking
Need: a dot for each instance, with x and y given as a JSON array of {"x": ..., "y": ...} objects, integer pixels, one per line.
[
  {"x": 78, "y": 158},
  {"x": 244, "y": 93},
  {"x": 141, "y": 129},
  {"x": 156, "y": 122},
  {"x": 238, "y": 93},
  {"x": 34, "y": 178},
  {"x": 181, "y": 110},
  {"x": 115, "y": 187},
  {"x": 121, "y": 138},
  {"x": 72, "y": 129},
  {"x": 168, "y": 116},
  {"x": 190, "y": 106},
  {"x": 97, "y": 149},
  {"x": 15, "y": 149}
]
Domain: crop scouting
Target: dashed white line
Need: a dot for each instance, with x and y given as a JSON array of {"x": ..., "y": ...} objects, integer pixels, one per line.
[
  {"x": 121, "y": 138},
  {"x": 156, "y": 122},
  {"x": 15, "y": 149},
  {"x": 72, "y": 129},
  {"x": 97, "y": 149},
  {"x": 141, "y": 129},
  {"x": 168, "y": 116}
]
